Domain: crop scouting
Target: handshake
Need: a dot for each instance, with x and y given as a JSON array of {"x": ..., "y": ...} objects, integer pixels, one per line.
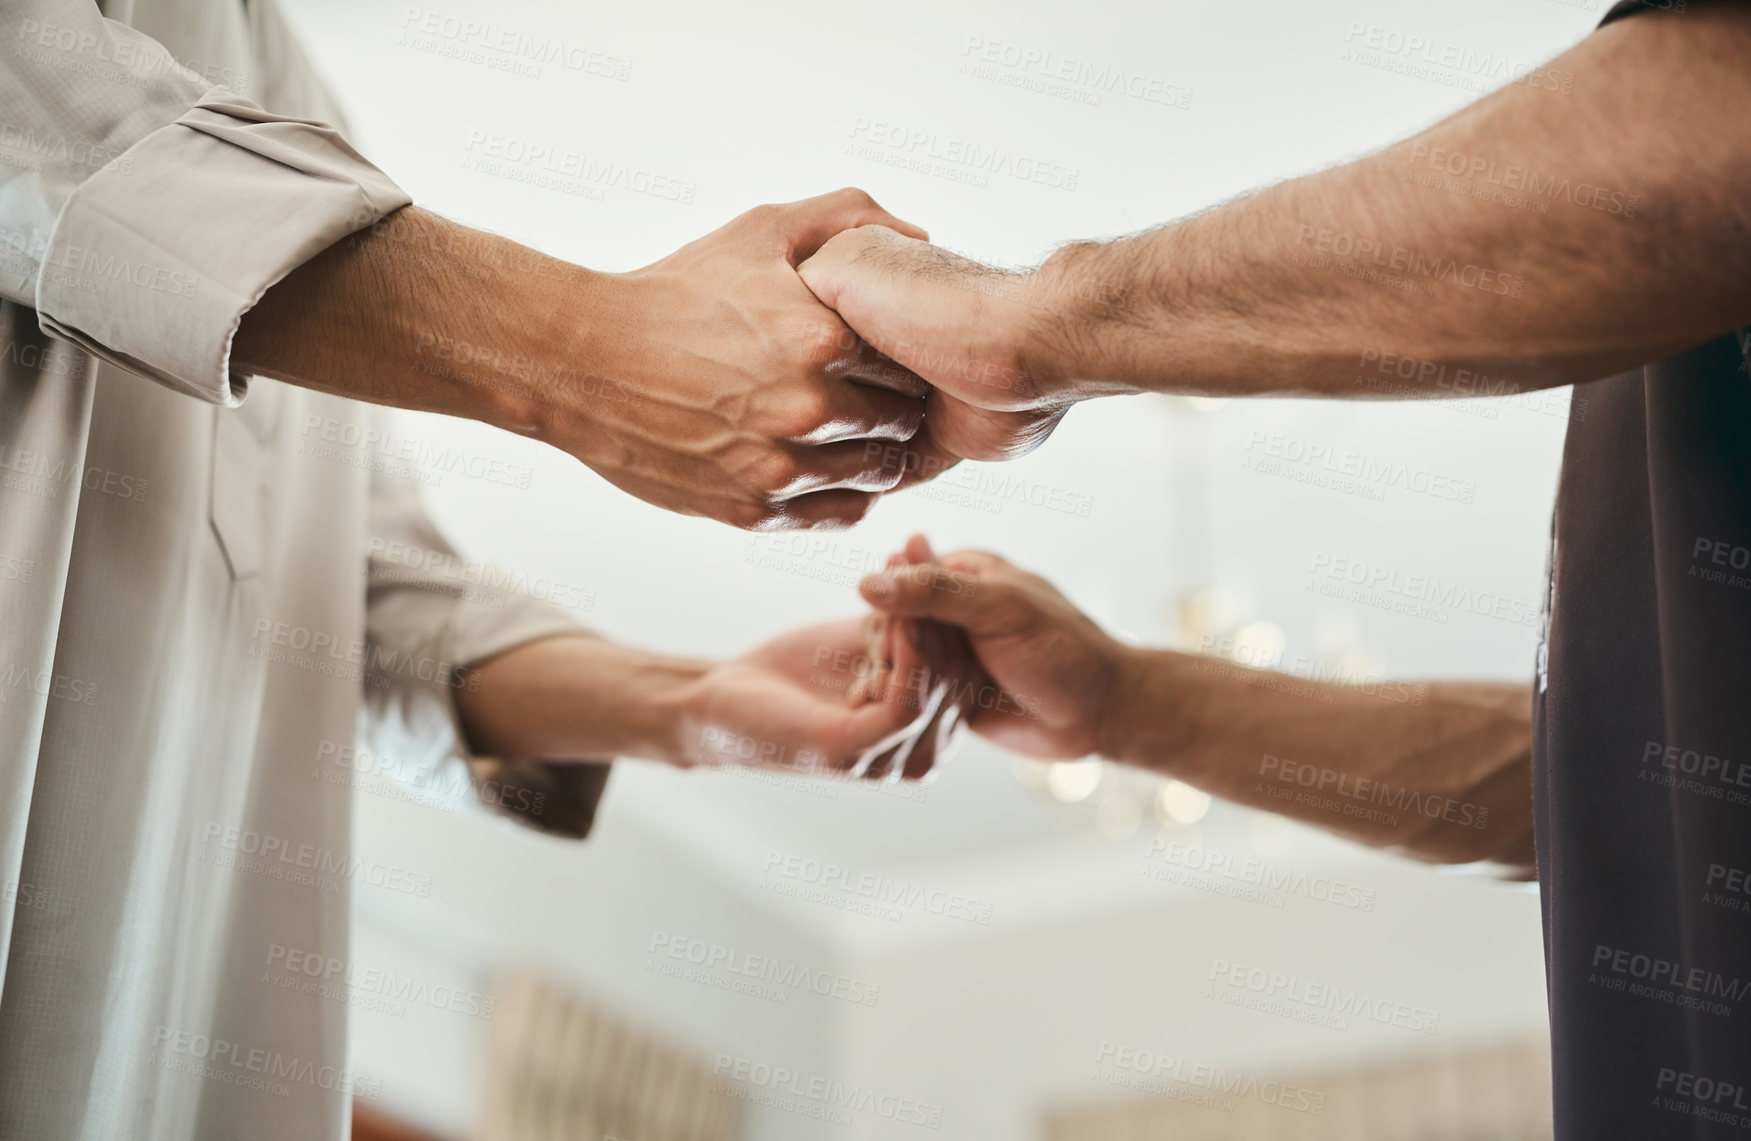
[
  {"x": 781, "y": 372},
  {"x": 784, "y": 372},
  {"x": 966, "y": 641},
  {"x": 796, "y": 364}
]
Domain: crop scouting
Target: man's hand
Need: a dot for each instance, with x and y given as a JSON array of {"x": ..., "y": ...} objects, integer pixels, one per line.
[
  {"x": 811, "y": 701},
  {"x": 966, "y": 328},
  {"x": 757, "y": 401},
  {"x": 1055, "y": 672},
  {"x": 925, "y": 664},
  {"x": 1398, "y": 275},
  {"x": 710, "y": 383},
  {"x": 817, "y": 700},
  {"x": 1064, "y": 689}
]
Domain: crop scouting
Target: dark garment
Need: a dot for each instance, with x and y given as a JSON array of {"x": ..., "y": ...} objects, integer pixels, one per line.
[{"x": 1642, "y": 756}]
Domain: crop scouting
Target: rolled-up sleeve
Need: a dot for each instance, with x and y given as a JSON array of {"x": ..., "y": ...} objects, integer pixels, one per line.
[
  {"x": 432, "y": 617},
  {"x": 143, "y": 211}
]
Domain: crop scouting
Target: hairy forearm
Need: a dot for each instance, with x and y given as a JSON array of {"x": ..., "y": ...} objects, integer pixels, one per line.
[
  {"x": 577, "y": 698},
  {"x": 1538, "y": 237},
  {"x": 1440, "y": 771}
]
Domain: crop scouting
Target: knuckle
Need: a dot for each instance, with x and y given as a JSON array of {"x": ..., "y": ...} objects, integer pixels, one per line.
[
  {"x": 753, "y": 514},
  {"x": 765, "y": 214},
  {"x": 882, "y": 477},
  {"x": 807, "y": 411},
  {"x": 776, "y": 470},
  {"x": 822, "y": 350}
]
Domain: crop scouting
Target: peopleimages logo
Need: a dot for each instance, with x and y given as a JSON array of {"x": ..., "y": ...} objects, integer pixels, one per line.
[
  {"x": 714, "y": 957},
  {"x": 1208, "y": 864},
  {"x": 1704, "y": 1098},
  {"x": 1698, "y": 771},
  {"x": 878, "y": 889},
  {"x": 1156, "y": 1064},
  {"x": 235, "y": 1063},
  {"x": 445, "y": 458},
  {"x": 1399, "y": 259},
  {"x": 470, "y": 37},
  {"x": 1519, "y": 178},
  {"x": 264, "y": 854},
  {"x": 326, "y": 976},
  {"x": 1419, "y": 53},
  {"x": 1414, "y": 802},
  {"x": 963, "y": 153},
  {"x": 1360, "y": 466},
  {"x": 557, "y": 161},
  {"x": 1286, "y": 993},
  {"x": 824, "y": 1093},
  {"x": 1708, "y": 986},
  {"x": 1431, "y": 593},
  {"x": 494, "y": 584},
  {"x": 1062, "y": 76}
]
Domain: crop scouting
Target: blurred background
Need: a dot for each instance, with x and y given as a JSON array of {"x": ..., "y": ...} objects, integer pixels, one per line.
[{"x": 1015, "y": 950}]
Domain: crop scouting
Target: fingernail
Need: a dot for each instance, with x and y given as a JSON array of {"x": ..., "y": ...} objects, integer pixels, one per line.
[{"x": 878, "y": 585}]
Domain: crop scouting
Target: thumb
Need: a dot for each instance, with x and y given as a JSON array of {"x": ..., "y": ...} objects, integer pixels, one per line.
[
  {"x": 828, "y": 271},
  {"x": 929, "y": 590},
  {"x": 810, "y": 223},
  {"x": 918, "y": 550}
]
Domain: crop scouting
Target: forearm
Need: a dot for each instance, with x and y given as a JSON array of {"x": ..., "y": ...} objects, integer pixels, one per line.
[
  {"x": 578, "y": 698},
  {"x": 419, "y": 312},
  {"x": 1440, "y": 771},
  {"x": 1630, "y": 238},
  {"x": 709, "y": 382}
]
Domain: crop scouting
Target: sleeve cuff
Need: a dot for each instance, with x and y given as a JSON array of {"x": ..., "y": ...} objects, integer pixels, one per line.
[
  {"x": 556, "y": 797},
  {"x": 155, "y": 260},
  {"x": 413, "y": 699}
]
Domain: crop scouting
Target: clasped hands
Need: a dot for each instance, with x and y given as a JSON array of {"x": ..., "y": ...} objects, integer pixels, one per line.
[
  {"x": 802, "y": 360},
  {"x": 906, "y": 360},
  {"x": 965, "y": 641},
  {"x": 788, "y": 369}
]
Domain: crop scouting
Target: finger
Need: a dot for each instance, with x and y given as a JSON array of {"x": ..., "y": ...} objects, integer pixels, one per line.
[
  {"x": 970, "y": 432},
  {"x": 828, "y": 270},
  {"x": 889, "y": 757},
  {"x": 873, "y": 368},
  {"x": 810, "y": 222},
  {"x": 869, "y": 737},
  {"x": 864, "y": 673},
  {"x": 942, "y": 737},
  {"x": 922, "y": 458},
  {"x": 908, "y": 752},
  {"x": 918, "y": 752},
  {"x": 834, "y": 510},
  {"x": 962, "y": 595},
  {"x": 854, "y": 465},
  {"x": 845, "y": 410}
]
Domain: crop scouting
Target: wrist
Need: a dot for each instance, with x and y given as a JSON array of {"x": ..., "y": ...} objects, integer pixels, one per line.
[
  {"x": 547, "y": 312},
  {"x": 1073, "y": 317},
  {"x": 496, "y": 327},
  {"x": 660, "y": 696},
  {"x": 1152, "y": 714}
]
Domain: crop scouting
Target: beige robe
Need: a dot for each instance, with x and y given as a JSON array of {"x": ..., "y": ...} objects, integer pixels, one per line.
[{"x": 186, "y": 634}]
